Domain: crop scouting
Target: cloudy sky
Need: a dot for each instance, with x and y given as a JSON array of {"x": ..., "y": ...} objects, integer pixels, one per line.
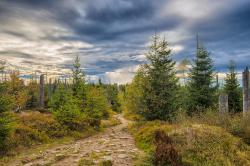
[{"x": 112, "y": 36}]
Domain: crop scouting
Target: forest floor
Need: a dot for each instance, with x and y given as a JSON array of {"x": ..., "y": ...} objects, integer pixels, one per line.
[{"x": 115, "y": 144}]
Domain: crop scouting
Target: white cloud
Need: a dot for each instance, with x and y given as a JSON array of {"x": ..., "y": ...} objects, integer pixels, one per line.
[
  {"x": 39, "y": 41},
  {"x": 121, "y": 76},
  {"x": 177, "y": 48},
  {"x": 193, "y": 10}
]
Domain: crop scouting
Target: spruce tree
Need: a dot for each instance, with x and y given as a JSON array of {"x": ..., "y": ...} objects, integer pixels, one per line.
[
  {"x": 200, "y": 89},
  {"x": 160, "y": 87},
  {"x": 78, "y": 87},
  {"x": 232, "y": 88}
]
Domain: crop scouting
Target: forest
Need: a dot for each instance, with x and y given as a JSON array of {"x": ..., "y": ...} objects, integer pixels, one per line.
[{"x": 188, "y": 120}]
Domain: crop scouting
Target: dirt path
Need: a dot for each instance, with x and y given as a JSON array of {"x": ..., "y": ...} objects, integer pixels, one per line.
[{"x": 115, "y": 144}]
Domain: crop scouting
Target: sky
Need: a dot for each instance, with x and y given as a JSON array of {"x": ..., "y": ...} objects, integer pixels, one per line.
[{"x": 112, "y": 36}]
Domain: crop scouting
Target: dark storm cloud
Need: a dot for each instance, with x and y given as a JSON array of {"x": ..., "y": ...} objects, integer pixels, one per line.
[
  {"x": 227, "y": 37},
  {"x": 119, "y": 30}
]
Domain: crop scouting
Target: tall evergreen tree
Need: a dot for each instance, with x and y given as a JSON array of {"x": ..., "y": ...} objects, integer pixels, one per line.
[
  {"x": 200, "y": 88},
  {"x": 78, "y": 87},
  {"x": 161, "y": 83},
  {"x": 232, "y": 88}
]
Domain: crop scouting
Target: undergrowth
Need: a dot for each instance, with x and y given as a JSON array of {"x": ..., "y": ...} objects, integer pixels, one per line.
[
  {"x": 34, "y": 128},
  {"x": 202, "y": 140}
]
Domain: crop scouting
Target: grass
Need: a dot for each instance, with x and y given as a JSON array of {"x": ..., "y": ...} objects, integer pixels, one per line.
[
  {"x": 112, "y": 121},
  {"x": 86, "y": 162},
  {"x": 94, "y": 156},
  {"x": 235, "y": 124},
  {"x": 105, "y": 163},
  {"x": 206, "y": 140}
]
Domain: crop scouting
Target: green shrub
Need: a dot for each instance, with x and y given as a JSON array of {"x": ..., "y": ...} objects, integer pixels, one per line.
[
  {"x": 96, "y": 106},
  {"x": 27, "y": 136},
  {"x": 112, "y": 96},
  {"x": 6, "y": 126},
  {"x": 71, "y": 117},
  {"x": 6, "y": 103},
  {"x": 66, "y": 110},
  {"x": 43, "y": 123}
]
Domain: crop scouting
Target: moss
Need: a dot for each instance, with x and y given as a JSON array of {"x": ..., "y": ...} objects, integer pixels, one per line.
[
  {"x": 85, "y": 162},
  {"x": 105, "y": 163}
]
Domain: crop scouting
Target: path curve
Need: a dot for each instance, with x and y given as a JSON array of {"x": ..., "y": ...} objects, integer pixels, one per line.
[{"x": 115, "y": 144}]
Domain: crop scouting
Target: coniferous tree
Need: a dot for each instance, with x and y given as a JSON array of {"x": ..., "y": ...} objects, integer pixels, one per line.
[
  {"x": 112, "y": 95},
  {"x": 6, "y": 119},
  {"x": 160, "y": 87},
  {"x": 33, "y": 99},
  {"x": 78, "y": 87},
  {"x": 66, "y": 110},
  {"x": 201, "y": 90},
  {"x": 232, "y": 88}
]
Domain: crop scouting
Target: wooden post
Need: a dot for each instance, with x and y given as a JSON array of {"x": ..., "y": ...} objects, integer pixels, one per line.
[
  {"x": 246, "y": 92},
  {"x": 42, "y": 91},
  {"x": 223, "y": 103}
]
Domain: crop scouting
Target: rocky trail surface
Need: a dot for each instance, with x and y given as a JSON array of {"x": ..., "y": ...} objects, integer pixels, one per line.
[{"x": 114, "y": 145}]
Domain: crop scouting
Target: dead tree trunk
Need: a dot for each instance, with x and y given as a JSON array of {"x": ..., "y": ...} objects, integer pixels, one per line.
[
  {"x": 223, "y": 103},
  {"x": 246, "y": 91},
  {"x": 50, "y": 89},
  {"x": 42, "y": 91}
]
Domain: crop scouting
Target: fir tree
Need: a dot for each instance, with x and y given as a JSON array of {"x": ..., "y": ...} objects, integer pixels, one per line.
[
  {"x": 232, "y": 88},
  {"x": 161, "y": 83},
  {"x": 200, "y": 88},
  {"x": 78, "y": 87}
]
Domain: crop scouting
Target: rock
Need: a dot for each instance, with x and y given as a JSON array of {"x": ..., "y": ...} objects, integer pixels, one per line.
[
  {"x": 111, "y": 145},
  {"x": 76, "y": 161},
  {"x": 96, "y": 151},
  {"x": 76, "y": 151},
  {"x": 121, "y": 151},
  {"x": 26, "y": 160},
  {"x": 96, "y": 162},
  {"x": 107, "y": 158},
  {"x": 59, "y": 157},
  {"x": 122, "y": 156},
  {"x": 75, "y": 155}
]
